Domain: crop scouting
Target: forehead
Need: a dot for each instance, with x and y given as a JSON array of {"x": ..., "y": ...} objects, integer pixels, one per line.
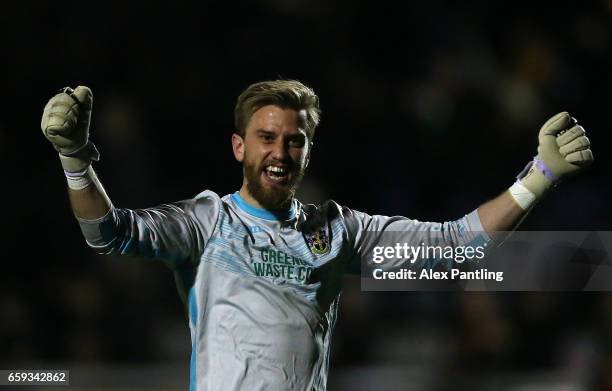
[{"x": 276, "y": 118}]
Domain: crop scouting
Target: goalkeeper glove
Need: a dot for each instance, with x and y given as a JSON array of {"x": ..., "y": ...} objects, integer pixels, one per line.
[
  {"x": 65, "y": 123},
  {"x": 563, "y": 151}
]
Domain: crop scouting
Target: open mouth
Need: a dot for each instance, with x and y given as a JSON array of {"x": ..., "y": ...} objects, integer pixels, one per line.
[{"x": 276, "y": 174}]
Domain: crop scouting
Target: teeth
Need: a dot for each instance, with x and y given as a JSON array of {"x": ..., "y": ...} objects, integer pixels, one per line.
[{"x": 278, "y": 170}]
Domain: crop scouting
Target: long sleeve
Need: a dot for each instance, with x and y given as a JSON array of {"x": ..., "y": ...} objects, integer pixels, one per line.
[
  {"x": 365, "y": 232},
  {"x": 173, "y": 233}
]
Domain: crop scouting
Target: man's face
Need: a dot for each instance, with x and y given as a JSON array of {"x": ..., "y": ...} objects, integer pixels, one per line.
[{"x": 274, "y": 152}]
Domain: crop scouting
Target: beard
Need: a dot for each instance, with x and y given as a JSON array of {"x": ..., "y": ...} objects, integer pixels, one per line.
[{"x": 271, "y": 198}]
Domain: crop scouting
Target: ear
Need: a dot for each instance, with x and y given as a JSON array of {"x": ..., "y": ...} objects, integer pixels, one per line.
[{"x": 238, "y": 147}]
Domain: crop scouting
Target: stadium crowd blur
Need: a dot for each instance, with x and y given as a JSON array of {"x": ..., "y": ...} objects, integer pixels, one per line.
[{"x": 428, "y": 110}]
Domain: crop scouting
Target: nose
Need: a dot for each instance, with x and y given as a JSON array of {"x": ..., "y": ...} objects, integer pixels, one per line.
[{"x": 280, "y": 150}]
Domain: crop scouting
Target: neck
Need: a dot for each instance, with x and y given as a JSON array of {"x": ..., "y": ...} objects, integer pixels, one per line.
[
  {"x": 249, "y": 199},
  {"x": 244, "y": 193}
]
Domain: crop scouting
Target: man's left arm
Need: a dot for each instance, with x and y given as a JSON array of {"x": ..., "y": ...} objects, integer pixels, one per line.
[
  {"x": 563, "y": 151},
  {"x": 500, "y": 214}
]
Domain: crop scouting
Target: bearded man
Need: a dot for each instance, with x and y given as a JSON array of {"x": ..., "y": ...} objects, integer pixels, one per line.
[{"x": 260, "y": 272}]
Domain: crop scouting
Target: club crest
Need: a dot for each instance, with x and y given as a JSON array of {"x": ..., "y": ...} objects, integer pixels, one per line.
[{"x": 318, "y": 242}]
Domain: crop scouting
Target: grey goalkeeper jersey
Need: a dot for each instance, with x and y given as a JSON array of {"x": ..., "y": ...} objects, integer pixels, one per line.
[{"x": 262, "y": 289}]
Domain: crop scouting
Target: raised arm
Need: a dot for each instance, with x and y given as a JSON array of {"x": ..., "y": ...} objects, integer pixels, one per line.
[
  {"x": 65, "y": 123},
  {"x": 173, "y": 233},
  {"x": 564, "y": 150}
]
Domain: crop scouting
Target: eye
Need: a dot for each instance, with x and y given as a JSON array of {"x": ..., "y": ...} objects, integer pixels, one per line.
[
  {"x": 297, "y": 142},
  {"x": 266, "y": 137}
]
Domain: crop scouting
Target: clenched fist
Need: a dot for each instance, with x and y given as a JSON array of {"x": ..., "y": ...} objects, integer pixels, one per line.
[
  {"x": 65, "y": 123},
  {"x": 65, "y": 120},
  {"x": 563, "y": 150}
]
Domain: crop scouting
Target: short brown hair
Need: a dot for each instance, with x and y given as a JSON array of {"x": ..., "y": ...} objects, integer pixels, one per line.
[{"x": 283, "y": 93}]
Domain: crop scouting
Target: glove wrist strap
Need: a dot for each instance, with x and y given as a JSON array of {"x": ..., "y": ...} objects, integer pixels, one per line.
[
  {"x": 537, "y": 178},
  {"x": 79, "y": 181},
  {"x": 77, "y": 166},
  {"x": 543, "y": 168}
]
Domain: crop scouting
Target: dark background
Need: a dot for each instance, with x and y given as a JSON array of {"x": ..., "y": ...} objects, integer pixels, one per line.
[{"x": 429, "y": 109}]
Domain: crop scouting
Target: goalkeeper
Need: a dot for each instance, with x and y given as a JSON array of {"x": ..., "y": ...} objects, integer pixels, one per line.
[{"x": 259, "y": 271}]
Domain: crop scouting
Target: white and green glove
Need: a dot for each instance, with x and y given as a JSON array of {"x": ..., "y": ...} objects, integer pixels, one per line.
[
  {"x": 563, "y": 151},
  {"x": 65, "y": 123}
]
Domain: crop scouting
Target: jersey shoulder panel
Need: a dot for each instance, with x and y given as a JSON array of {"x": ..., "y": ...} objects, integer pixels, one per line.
[
  {"x": 317, "y": 216},
  {"x": 205, "y": 209}
]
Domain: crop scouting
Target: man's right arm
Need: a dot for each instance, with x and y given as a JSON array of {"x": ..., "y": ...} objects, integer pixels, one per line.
[
  {"x": 173, "y": 233},
  {"x": 65, "y": 123},
  {"x": 91, "y": 202}
]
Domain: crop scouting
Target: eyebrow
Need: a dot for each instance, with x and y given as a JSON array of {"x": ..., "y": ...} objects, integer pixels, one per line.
[{"x": 264, "y": 131}]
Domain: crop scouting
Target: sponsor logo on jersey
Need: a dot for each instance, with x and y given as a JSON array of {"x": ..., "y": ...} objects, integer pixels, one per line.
[
  {"x": 318, "y": 242},
  {"x": 279, "y": 264}
]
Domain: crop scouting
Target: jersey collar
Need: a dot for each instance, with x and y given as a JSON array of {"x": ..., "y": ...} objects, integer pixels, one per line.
[{"x": 264, "y": 213}]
